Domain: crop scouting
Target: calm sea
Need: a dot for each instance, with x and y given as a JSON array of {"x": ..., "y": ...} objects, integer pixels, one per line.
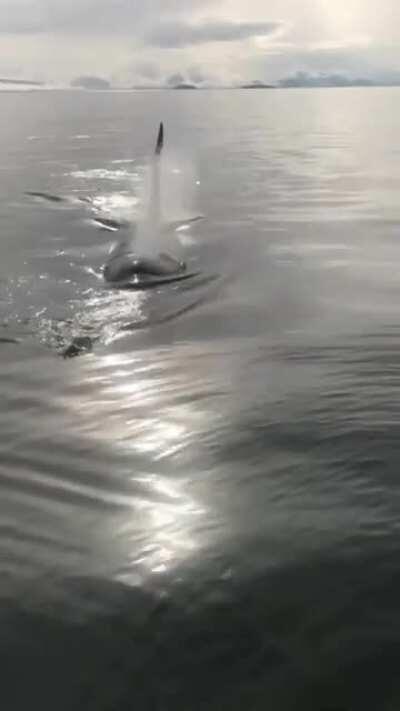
[{"x": 203, "y": 513}]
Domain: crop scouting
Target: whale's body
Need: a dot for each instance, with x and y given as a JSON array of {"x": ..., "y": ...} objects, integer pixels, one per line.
[{"x": 125, "y": 267}]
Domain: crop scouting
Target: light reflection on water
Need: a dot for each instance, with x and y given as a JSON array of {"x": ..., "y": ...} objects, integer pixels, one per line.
[
  {"x": 137, "y": 414},
  {"x": 171, "y": 531}
]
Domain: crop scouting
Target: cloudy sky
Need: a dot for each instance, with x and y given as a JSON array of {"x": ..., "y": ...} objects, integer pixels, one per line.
[{"x": 130, "y": 41}]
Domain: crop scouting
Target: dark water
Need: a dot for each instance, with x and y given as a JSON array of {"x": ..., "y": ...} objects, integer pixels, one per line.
[{"x": 203, "y": 513}]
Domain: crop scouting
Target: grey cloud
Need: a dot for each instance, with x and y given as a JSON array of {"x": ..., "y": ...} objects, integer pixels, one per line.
[
  {"x": 196, "y": 75},
  {"x": 20, "y": 17},
  {"x": 147, "y": 70},
  {"x": 346, "y": 62},
  {"x": 184, "y": 34},
  {"x": 175, "y": 79},
  {"x": 193, "y": 75},
  {"x": 90, "y": 16}
]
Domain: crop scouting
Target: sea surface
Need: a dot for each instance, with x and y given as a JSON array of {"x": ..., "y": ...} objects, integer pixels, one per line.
[{"x": 203, "y": 511}]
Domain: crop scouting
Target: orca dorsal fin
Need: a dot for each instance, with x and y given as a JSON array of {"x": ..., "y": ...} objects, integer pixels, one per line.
[
  {"x": 154, "y": 211},
  {"x": 160, "y": 139}
]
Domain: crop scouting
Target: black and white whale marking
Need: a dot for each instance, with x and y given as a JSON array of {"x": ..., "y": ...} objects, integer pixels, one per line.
[{"x": 125, "y": 268}]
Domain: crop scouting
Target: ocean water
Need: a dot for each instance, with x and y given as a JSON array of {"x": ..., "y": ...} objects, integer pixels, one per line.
[{"x": 203, "y": 512}]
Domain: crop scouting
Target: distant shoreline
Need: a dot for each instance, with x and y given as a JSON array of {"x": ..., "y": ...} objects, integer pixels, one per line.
[
  {"x": 21, "y": 82},
  {"x": 10, "y": 87}
]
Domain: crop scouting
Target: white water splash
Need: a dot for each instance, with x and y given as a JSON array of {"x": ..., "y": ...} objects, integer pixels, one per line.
[{"x": 166, "y": 199}]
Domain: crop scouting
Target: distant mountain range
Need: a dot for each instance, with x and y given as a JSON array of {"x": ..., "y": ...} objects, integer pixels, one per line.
[
  {"x": 184, "y": 86},
  {"x": 89, "y": 82},
  {"x": 304, "y": 79},
  {"x": 257, "y": 85},
  {"x": 300, "y": 79}
]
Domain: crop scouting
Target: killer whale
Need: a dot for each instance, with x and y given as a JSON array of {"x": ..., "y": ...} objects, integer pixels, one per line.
[{"x": 127, "y": 269}]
